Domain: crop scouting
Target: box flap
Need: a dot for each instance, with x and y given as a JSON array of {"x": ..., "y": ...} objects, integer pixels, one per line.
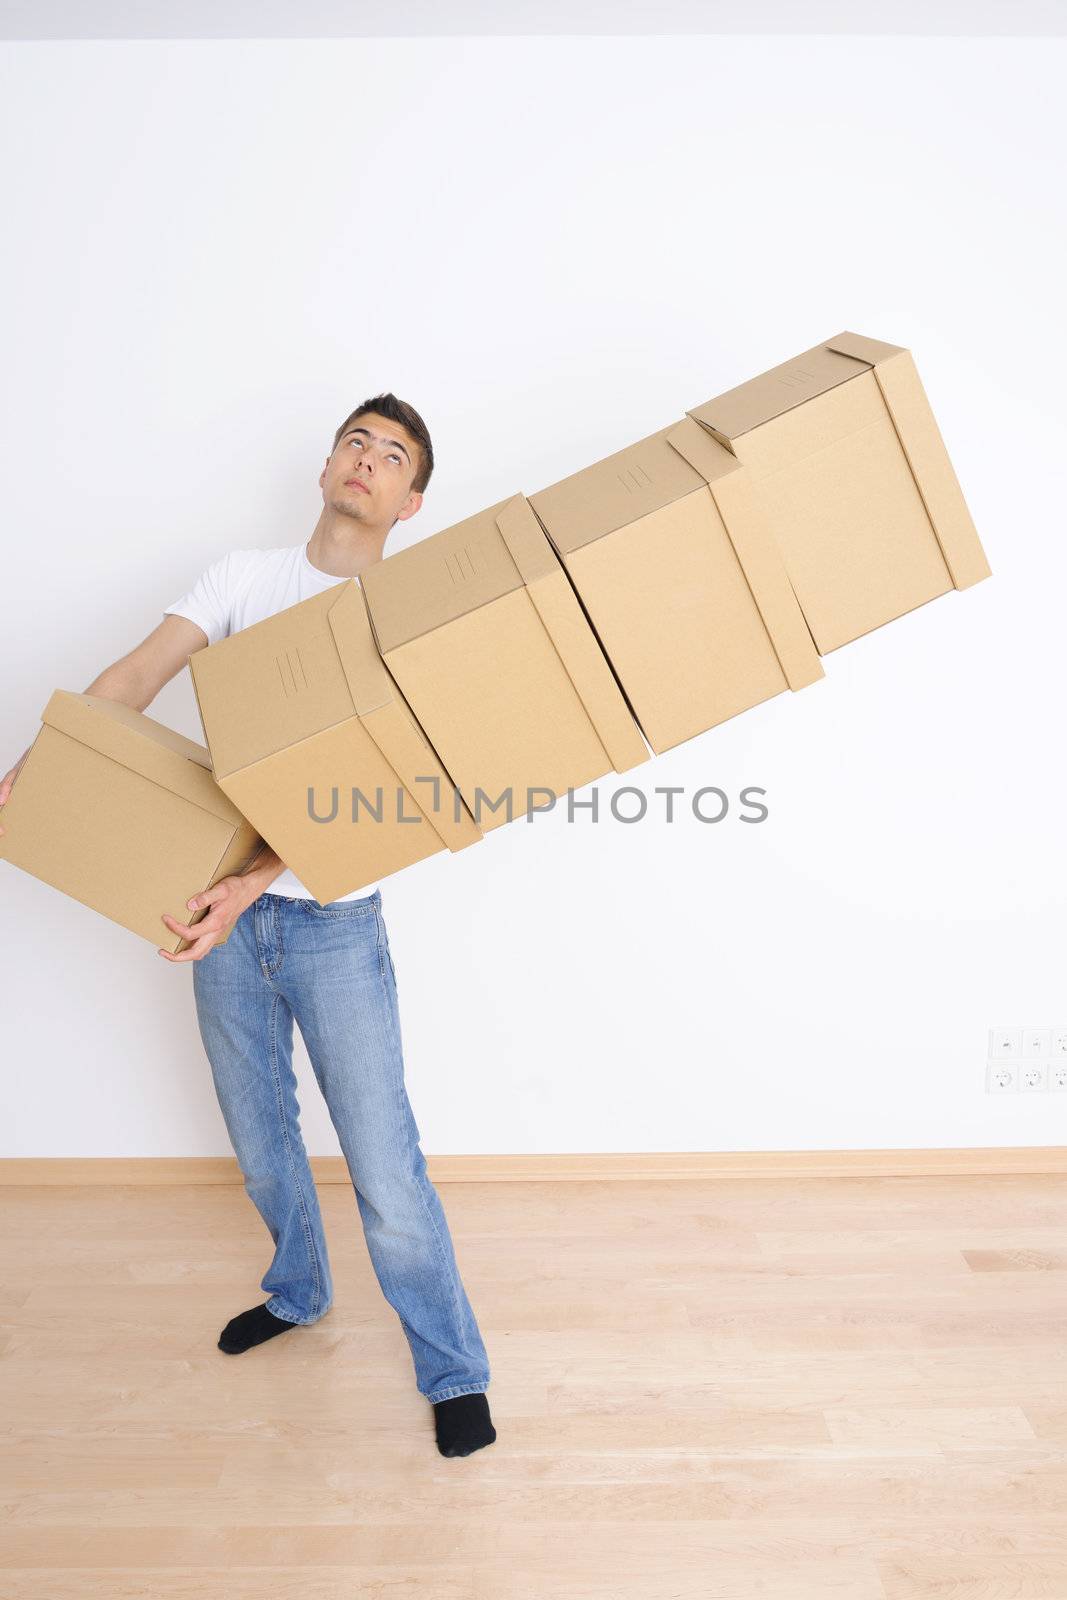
[
  {"x": 525, "y": 538},
  {"x": 767, "y": 579},
  {"x": 79, "y": 714},
  {"x": 369, "y": 681},
  {"x": 935, "y": 478},
  {"x": 414, "y": 760},
  {"x": 709, "y": 459},
  {"x": 755, "y": 548},
  {"x": 614, "y": 492},
  {"x": 143, "y": 746},
  {"x": 862, "y": 349},
  {"x": 392, "y": 725},
  {"x": 779, "y": 389},
  {"x": 572, "y": 635},
  {"x": 439, "y": 579}
]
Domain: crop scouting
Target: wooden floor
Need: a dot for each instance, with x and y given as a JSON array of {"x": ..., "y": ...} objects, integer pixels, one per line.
[{"x": 703, "y": 1390}]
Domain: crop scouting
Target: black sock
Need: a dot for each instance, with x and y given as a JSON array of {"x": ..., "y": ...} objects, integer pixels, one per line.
[
  {"x": 463, "y": 1424},
  {"x": 250, "y": 1328}
]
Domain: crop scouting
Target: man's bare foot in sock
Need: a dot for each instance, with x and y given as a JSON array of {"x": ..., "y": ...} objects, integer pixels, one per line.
[
  {"x": 463, "y": 1424},
  {"x": 251, "y": 1327}
]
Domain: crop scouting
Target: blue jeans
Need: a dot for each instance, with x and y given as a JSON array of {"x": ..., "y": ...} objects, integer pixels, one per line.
[{"x": 330, "y": 968}]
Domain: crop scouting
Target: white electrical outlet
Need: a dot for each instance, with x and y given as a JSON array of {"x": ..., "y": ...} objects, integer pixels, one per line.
[{"x": 1027, "y": 1061}]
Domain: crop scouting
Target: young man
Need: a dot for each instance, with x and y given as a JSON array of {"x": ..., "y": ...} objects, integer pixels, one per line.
[{"x": 329, "y": 968}]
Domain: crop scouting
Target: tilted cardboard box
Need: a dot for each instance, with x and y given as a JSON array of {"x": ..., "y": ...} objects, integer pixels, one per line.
[
  {"x": 299, "y": 712},
  {"x": 123, "y": 814},
  {"x": 481, "y": 629},
  {"x": 853, "y": 474},
  {"x": 681, "y": 580}
]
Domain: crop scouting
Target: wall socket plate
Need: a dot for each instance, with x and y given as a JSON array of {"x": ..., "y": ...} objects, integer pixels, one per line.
[{"x": 1027, "y": 1061}]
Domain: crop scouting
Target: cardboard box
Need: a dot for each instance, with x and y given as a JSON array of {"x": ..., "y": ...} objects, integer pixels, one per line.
[
  {"x": 481, "y": 629},
  {"x": 298, "y": 711},
  {"x": 681, "y": 580},
  {"x": 122, "y": 814},
  {"x": 856, "y": 482}
]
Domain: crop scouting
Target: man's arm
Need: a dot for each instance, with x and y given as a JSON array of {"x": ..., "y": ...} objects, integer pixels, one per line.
[{"x": 135, "y": 679}]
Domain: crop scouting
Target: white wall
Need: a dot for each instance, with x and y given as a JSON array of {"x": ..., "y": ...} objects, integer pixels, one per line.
[{"x": 552, "y": 247}]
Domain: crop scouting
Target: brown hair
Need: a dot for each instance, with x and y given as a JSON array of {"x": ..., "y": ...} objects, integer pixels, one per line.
[{"x": 387, "y": 405}]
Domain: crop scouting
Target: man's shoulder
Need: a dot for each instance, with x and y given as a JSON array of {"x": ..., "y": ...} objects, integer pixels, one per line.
[
  {"x": 262, "y": 555},
  {"x": 249, "y": 562}
]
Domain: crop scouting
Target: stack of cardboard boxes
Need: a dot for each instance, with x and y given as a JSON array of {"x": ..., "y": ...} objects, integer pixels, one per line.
[{"x": 523, "y": 652}]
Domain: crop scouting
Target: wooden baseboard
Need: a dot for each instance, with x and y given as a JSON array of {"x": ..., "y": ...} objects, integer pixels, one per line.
[{"x": 665, "y": 1164}]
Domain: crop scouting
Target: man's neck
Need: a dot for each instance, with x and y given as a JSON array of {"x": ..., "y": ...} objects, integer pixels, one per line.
[{"x": 343, "y": 548}]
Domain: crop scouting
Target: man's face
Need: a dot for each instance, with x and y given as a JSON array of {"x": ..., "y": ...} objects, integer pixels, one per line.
[{"x": 368, "y": 477}]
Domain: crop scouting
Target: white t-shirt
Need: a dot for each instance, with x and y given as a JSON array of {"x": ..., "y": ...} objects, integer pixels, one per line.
[{"x": 247, "y": 586}]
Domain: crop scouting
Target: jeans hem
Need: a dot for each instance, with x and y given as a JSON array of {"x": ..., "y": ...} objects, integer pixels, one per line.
[
  {"x": 450, "y": 1394},
  {"x": 302, "y": 1322}
]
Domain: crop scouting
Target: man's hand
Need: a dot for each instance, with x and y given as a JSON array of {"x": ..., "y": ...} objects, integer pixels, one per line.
[
  {"x": 8, "y": 779},
  {"x": 227, "y": 899}
]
